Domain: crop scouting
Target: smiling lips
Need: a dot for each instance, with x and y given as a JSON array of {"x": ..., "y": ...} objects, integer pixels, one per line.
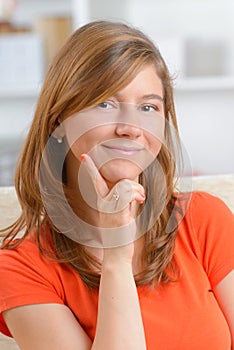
[{"x": 124, "y": 150}]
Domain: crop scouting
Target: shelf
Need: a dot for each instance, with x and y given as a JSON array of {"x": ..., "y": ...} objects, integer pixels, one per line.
[{"x": 215, "y": 83}]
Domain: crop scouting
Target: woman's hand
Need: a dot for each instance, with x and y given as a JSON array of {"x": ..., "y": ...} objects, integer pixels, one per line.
[{"x": 116, "y": 210}]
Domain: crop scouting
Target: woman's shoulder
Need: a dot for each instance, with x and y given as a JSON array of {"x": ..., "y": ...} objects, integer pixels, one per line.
[
  {"x": 204, "y": 207},
  {"x": 204, "y": 215},
  {"x": 27, "y": 262},
  {"x": 23, "y": 257},
  {"x": 29, "y": 277},
  {"x": 208, "y": 229},
  {"x": 200, "y": 205},
  {"x": 22, "y": 247}
]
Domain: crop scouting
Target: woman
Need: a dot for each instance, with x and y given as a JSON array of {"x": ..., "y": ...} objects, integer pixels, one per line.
[{"x": 111, "y": 257}]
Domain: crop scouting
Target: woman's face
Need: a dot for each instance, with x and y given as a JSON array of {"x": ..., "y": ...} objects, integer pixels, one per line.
[{"x": 124, "y": 133}]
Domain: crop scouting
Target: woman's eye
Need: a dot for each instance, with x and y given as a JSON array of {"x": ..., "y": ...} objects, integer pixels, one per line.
[
  {"x": 149, "y": 108},
  {"x": 105, "y": 105}
]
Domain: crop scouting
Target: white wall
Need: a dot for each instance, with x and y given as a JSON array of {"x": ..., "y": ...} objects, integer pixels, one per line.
[
  {"x": 206, "y": 123},
  {"x": 183, "y": 17}
]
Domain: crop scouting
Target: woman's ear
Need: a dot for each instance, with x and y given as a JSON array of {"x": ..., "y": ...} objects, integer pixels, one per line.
[{"x": 59, "y": 133}]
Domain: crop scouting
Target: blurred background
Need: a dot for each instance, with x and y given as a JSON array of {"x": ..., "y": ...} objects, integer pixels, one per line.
[{"x": 196, "y": 38}]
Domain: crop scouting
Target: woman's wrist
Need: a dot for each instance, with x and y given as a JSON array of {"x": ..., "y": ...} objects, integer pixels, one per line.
[{"x": 113, "y": 260}]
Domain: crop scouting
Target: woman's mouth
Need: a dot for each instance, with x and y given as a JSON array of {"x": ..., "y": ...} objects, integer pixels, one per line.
[{"x": 124, "y": 151}]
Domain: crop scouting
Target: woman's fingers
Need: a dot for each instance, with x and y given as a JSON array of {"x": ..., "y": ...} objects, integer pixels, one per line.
[
  {"x": 130, "y": 189},
  {"x": 98, "y": 181},
  {"x": 120, "y": 197}
]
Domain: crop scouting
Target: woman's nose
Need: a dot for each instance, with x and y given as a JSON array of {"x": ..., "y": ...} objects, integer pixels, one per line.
[
  {"x": 128, "y": 130},
  {"x": 128, "y": 122}
]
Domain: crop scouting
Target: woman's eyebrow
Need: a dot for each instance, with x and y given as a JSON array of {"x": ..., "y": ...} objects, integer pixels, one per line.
[{"x": 152, "y": 96}]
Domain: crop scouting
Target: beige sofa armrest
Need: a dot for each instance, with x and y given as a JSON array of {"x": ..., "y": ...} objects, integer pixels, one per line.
[
  {"x": 221, "y": 186},
  {"x": 7, "y": 343}
]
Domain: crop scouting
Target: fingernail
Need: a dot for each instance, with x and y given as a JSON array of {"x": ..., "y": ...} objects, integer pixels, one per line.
[
  {"x": 142, "y": 200},
  {"x": 82, "y": 157}
]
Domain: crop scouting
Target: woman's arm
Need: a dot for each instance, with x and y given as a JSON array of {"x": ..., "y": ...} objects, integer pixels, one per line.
[
  {"x": 46, "y": 327},
  {"x": 224, "y": 292},
  {"x": 119, "y": 324}
]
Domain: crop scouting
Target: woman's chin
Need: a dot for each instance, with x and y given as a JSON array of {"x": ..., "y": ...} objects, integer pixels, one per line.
[{"x": 115, "y": 174}]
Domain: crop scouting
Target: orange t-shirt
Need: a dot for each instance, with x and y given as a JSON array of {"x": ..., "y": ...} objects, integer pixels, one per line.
[{"x": 181, "y": 315}]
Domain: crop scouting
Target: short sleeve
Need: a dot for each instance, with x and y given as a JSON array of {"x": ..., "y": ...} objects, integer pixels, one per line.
[
  {"x": 213, "y": 223},
  {"x": 26, "y": 278}
]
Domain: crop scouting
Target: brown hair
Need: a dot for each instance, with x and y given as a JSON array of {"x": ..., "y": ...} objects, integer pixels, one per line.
[{"x": 98, "y": 60}]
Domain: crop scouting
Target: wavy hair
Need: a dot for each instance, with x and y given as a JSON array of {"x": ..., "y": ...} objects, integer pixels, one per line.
[{"x": 97, "y": 61}]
